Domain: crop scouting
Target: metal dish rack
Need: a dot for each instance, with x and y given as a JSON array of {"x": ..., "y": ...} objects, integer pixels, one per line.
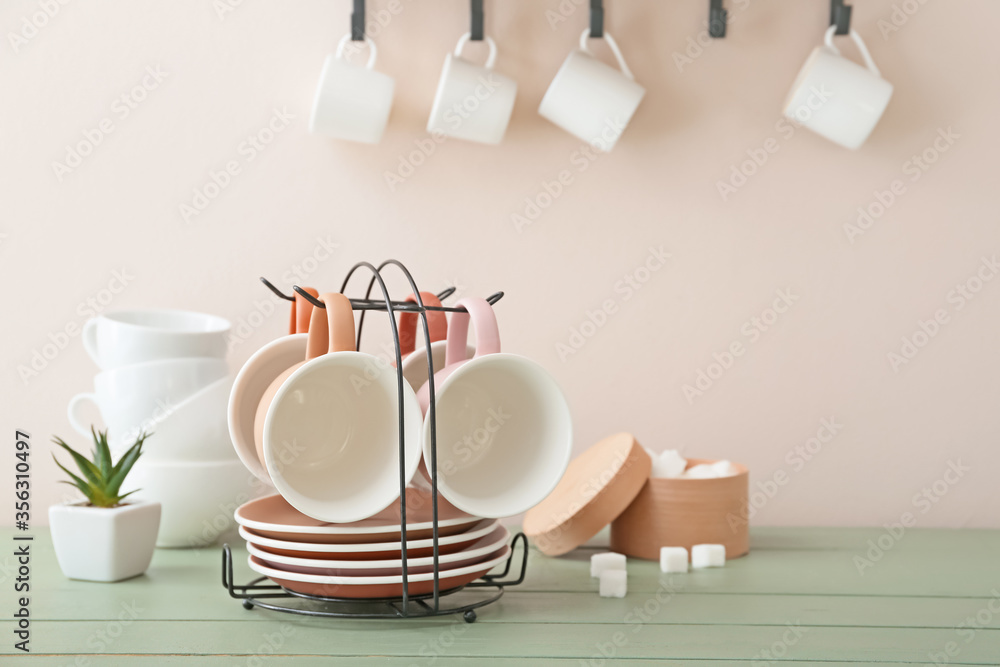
[{"x": 277, "y": 598}]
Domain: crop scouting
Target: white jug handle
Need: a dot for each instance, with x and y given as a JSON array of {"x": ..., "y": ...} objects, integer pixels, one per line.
[
  {"x": 489, "y": 41},
  {"x": 614, "y": 49},
  {"x": 371, "y": 49},
  {"x": 71, "y": 411},
  {"x": 861, "y": 47}
]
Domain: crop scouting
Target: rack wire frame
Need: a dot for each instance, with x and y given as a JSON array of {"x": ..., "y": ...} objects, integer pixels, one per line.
[{"x": 258, "y": 594}]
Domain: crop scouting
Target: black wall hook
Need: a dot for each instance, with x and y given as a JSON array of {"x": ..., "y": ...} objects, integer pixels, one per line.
[
  {"x": 476, "y": 31},
  {"x": 358, "y": 21},
  {"x": 596, "y": 18},
  {"x": 840, "y": 16},
  {"x": 277, "y": 292},
  {"x": 717, "y": 18}
]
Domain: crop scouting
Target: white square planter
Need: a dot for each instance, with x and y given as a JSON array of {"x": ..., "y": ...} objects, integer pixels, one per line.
[{"x": 104, "y": 544}]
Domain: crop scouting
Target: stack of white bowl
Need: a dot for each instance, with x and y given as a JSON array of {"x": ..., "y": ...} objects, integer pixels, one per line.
[{"x": 164, "y": 372}]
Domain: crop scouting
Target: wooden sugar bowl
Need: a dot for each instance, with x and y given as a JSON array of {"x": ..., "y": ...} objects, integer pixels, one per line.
[{"x": 683, "y": 512}]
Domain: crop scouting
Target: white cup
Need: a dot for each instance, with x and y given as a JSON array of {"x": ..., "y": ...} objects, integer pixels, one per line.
[
  {"x": 331, "y": 432},
  {"x": 127, "y": 337},
  {"x": 837, "y": 98},
  {"x": 473, "y": 102},
  {"x": 590, "y": 99},
  {"x": 132, "y": 398},
  {"x": 352, "y": 102}
]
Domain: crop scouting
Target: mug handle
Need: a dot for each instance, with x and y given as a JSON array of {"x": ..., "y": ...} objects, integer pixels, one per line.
[
  {"x": 490, "y": 59},
  {"x": 71, "y": 411},
  {"x": 339, "y": 322},
  {"x": 437, "y": 323},
  {"x": 487, "y": 332},
  {"x": 828, "y": 39},
  {"x": 303, "y": 310},
  {"x": 614, "y": 49},
  {"x": 372, "y": 52},
  {"x": 318, "y": 340},
  {"x": 89, "y": 337}
]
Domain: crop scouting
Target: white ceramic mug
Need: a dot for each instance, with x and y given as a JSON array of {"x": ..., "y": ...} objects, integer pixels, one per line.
[
  {"x": 590, "y": 99},
  {"x": 837, "y": 98},
  {"x": 125, "y": 337},
  {"x": 504, "y": 431},
  {"x": 133, "y": 397},
  {"x": 331, "y": 432},
  {"x": 473, "y": 102},
  {"x": 352, "y": 102}
]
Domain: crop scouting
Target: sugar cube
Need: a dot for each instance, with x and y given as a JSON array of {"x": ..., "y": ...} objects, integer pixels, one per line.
[
  {"x": 724, "y": 468},
  {"x": 701, "y": 471},
  {"x": 708, "y": 555},
  {"x": 668, "y": 464},
  {"x": 614, "y": 584},
  {"x": 606, "y": 561},
  {"x": 673, "y": 559}
]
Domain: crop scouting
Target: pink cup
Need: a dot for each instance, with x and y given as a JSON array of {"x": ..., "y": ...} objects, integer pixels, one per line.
[
  {"x": 456, "y": 352},
  {"x": 503, "y": 427}
]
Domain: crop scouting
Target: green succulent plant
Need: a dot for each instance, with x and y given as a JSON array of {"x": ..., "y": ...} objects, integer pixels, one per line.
[{"x": 101, "y": 481}]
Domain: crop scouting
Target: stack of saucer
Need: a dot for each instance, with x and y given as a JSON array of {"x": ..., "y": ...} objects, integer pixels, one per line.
[
  {"x": 164, "y": 372},
  {"x": 363, "y": 559}
]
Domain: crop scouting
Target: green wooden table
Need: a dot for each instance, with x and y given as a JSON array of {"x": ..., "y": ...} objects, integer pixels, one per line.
[{"x": 801, "y": 597}]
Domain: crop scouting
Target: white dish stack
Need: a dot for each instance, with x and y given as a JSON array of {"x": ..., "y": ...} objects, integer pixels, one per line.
[{"x": 164, "y": 372}]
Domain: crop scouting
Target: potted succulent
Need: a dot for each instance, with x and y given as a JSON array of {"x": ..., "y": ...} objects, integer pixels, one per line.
[{"x": 103, "y": 538}]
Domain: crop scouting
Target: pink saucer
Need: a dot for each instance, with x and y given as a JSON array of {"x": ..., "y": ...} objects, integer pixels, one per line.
[
  {"x": 272, "y": 516},
  {"x": 376, "y": 587}
]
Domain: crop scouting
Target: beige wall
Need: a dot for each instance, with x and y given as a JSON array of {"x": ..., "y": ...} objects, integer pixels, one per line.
[{"x": 223, "y": 77}]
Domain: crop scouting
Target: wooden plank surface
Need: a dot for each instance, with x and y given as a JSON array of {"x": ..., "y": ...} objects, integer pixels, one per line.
[{"x": 800, "y": 597}]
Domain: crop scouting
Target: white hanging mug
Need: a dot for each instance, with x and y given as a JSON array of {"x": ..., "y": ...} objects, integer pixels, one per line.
[
  {"x": 473, "y": 102},
  {"x": 352, "y": 102},
  {"x": 837, "y": 98},
  {"x": 592, "y": 100}
]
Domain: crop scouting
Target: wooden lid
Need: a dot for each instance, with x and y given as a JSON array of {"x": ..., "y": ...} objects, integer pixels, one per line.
[{"x": 597, "y": 487}]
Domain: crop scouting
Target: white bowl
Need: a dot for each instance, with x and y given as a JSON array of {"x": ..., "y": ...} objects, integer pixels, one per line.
[
  {"x": 193, "y": 430},
  {"x": 198, "y": 497}
]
